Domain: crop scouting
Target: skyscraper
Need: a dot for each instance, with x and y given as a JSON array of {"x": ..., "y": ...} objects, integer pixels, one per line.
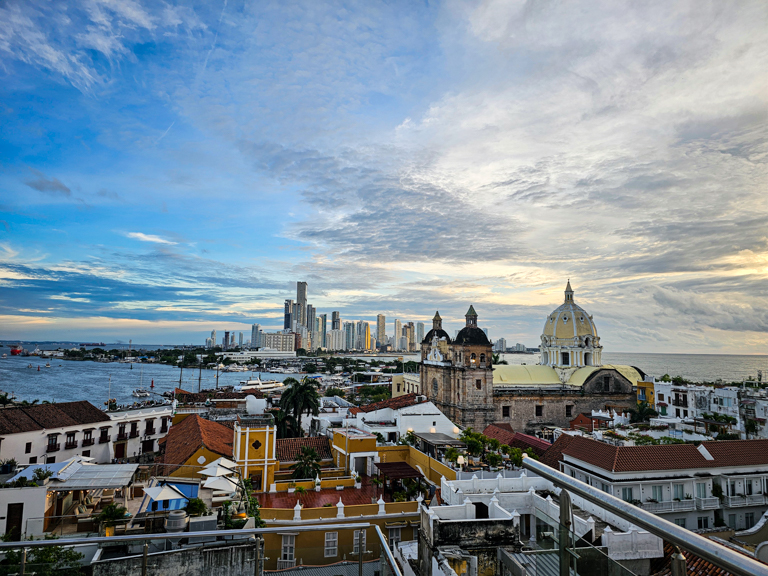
[
  {"x": 322, "y": 329},
  {"x": 335, "y": 321},
  {"x": 232, "y": 340},
  {"x": 256, "y": 336},
  {"x": 301, "y": 304},
  {"x": 288, "y": 315},
  {"x": 213, "y": 338},
  {"x": 310, "y": 319},
  {"x": 419, "y": 333},
  {"x": 349, "y": 335},
  {"x": 398, "y": 334},
  {"x": 381, "y": 328},
  {"x": 225, "y": 341},
  {"x": 240, "y": 340}
]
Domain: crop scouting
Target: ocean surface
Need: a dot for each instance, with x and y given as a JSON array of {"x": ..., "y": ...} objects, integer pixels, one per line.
[{"x": 69, "y": 380}]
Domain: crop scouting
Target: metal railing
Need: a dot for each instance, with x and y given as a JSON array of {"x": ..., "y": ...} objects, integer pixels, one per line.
[{"x": 710, "y": 551}]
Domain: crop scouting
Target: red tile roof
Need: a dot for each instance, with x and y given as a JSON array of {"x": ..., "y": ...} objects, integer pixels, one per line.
[
  {"x": 47, "y": 416},
  {"x": 288, "y": 449},
  {"x": 554, "y": 455},
  {"x": 524, "y": 441},
  {"x": 669, "y": 456},
  {"x": 394, "y": 403},
  {"x": 502, "y": 434},
  {"x": 191, "y": 434},
  {"x": 694, "y": 565}
]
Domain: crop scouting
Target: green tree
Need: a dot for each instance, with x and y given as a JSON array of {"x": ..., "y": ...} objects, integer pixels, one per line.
[
  {"x": 643, "y": 412},
  {"x": 496, "y": 359},
  {"x": 287, "y": 425},
  {"x": 5, "y": 399},
  {"x": 307, "y": 465},
  {"x": 334, "y": 392},
  {"x": 409, "y": 439},
  {"x": 310, "y": 368},
  {"x": 301, "y": 397},
  {"x": 48, "y": 561}
]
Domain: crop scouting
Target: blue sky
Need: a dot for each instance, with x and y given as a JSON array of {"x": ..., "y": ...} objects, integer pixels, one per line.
[{"x": 171, "y": 168}]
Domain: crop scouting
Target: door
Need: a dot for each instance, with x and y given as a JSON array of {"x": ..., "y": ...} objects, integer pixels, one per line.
[
  {"x": 120, "y": 450},
  {"x": 14, "y": 517},
  {"x": 147, "y": 446}
]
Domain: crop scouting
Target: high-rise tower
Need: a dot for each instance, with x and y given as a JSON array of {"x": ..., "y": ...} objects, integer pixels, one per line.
[
  {"x": 381, "y": 328},
  {"x": 301, "y": 304}
]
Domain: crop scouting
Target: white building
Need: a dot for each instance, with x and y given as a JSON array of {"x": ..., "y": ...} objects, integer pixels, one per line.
[
  {"x": 689, "y": 402},
  {"x": 247, "y": 355},
  {"x": 281, "y": 341},
  {"x": 680, "y": 482},
  {"x": 50, "y": 433},
  {"x": 500, "y": 345},
  {"x": 395, "y": 417}
]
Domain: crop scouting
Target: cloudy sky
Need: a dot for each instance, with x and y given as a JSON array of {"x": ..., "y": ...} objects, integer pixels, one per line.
[{"x": 170, "y": 168}]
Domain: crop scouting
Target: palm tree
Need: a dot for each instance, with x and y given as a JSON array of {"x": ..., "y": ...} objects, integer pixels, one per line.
[
  {"x": 496, "y": 359},
  {"x": 643, "y": 412},
  {"x": 287, "y": 425},
  {"x": 307, "y": 465},
  {"x": 301, "y": 397},
  {"x": 5, "y": 399}
]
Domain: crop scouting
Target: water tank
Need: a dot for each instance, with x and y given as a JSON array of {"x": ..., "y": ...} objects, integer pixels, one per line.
[
  {"x": 176, "y": 521},
  {"x": 255, "y": 405}
]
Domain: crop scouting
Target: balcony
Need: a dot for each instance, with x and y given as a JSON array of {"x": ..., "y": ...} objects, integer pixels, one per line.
[
  {"x": 735, "y": 501},
  {"x": 88, "y": 442},
  {"x": 53, "y": 447},
  {"x": 70, "y": 445},
  {"x": 103, "y": 439},
  {"x": 281, "y": 564},
  {"x": 755, "y": 499},
  {"x": 669, "y": 506},
  {"x": 150, "y": 432},
  {"x": 163, "y": 429},
  {"x": 122, "y": 436},
  {"x": 707, "y": 503},
  {"x": 680, "y": 403},
  {"x": 134, "y": 434}
]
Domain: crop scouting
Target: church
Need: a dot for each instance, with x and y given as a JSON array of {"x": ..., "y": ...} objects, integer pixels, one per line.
[{"x": 459, "y": 377}]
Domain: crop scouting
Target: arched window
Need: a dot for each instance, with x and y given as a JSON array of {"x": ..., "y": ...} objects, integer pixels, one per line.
[
  {"x": 473, "y": 357},
  {"x": 434, "y": 385},
  {"x": 482, "y": 358}
]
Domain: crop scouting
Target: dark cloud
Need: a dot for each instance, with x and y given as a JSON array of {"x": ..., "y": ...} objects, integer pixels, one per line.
[{"x": 49, "y": 185}]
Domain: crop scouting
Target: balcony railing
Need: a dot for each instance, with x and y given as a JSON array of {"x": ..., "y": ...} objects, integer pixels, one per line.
[
  {"x": 755, "y": 499},
  {"x": 707, "y": 503},
  {"x": 163, "y": 429},
  {"x": 680, "y": 403},
  {"x": 70, "y": 445},
  {"x": 134, "y": 434},
  {"x": 149, "y": 432},
  {"x": 88, "y": 442},
  {"x": 103, "y": 439},
  {"x": 281, "y": 564},
  {"x": 669, "y": 506},
  {"x": 122, "y": 436},
  {"x": 735, "y": 501},
  {"x": 53, "y": 447}
]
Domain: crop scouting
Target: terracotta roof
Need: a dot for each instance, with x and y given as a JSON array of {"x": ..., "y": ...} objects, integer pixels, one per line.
[
  {"x": 694, "y": 565},
  {"x": 524, "y": 441},
  {"x": 501, "y": 432},
  {"x": 288, "y": 449},
  {"x": 47, "y": 416},
  {"x": 667, "y": 457},
  {"x": 394, "y": 403},
  {"x": 554, "y": 455},
  {"x": 191, "y": 434}
]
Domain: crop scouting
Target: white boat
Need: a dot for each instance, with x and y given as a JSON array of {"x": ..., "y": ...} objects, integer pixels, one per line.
[
  {"x": 47, "y": 364},
  {"x": 141, "y": 393},
  {"x": 5, "y": 356},
  {"x": 259, "y": 385}
]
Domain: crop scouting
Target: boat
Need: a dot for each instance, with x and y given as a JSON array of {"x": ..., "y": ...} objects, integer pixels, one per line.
[
  {"x": 259, "y": 385},
  {"x": 16, "y": 350},
  {"x": 141, "y": 393},
  {"x": 47, "y": 364},
  {"x": 36, "y": 351},
  {"x": 5, "y": 356},
  {"x": 30, "y": 366}
]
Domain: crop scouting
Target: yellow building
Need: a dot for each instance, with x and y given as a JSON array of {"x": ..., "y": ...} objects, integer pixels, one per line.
[
  {"x": 255, "y": 450},
  {"x": 193, "y": 443},
  {"x": 645, "y": 392},
  {"x": 354, "y": 450},
  {"x": 407, "y": 383}
]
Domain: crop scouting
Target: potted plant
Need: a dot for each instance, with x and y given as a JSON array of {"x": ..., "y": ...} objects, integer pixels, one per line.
[
  {"x": 291, "y": 487},
  {"x": 317, "y": 485},
  {"x": 110, "y": 515},
  {"x": 196, "y": 507},
  {"x": 358, "y": 480},
  {"x": 300, "y": 491}
]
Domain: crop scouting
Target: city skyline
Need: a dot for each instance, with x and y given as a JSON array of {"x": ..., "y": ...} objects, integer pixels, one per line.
[{"x": 168, "y": 170}]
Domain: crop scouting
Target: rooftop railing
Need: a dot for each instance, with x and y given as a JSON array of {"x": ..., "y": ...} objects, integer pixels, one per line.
[{"x": 706, "y": 549}]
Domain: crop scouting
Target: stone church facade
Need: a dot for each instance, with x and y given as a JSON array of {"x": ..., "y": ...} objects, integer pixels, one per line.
[{"x": 458, "y": 375}]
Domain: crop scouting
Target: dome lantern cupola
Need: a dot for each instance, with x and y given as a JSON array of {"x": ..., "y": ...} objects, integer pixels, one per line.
[
  {"x": 471, "y": 317},
  {"x": 437, "y": 322},
  {"x": 568, "y": 292}
]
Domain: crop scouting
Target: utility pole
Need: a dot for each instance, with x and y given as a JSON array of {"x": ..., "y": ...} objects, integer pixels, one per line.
[
  {"x": 217, "y": 375},
  {"x": 181, "y": 367},
  {"x": 200, "y": 375}
]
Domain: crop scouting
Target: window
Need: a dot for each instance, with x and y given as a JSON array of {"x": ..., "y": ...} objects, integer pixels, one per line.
[
  {"x": 87, "y": 437},
  {"x": 478, "y": 384},
  {"x": 661, "y": 397},
  {"x": 685, "y": 413},
  {"x": 568, "y": 411},
  {"x": 356, "y": 549},
  {"x": 658, "y": 493},
  {"x": 505, "y": 411},
  {"x": 703, "y": 522},
  {"x": 748, "y": 486},
  {"x": 33, "y": 459},
  {"x": 52, "y": 440},
  {"x": 626, "y": 494},
  {"x": 87, "y": 453},
  {"x": 749, "y": 520},
  {"x": 28, "y": 448},
  {"x": 71, "y": 442},
  {"x": 732, "y": 489},
  {"x": 398, "y": 386},
  {"x": 50, "y": 460},
  {"x": 539, "y": 410},
  {"x": 565, "y": 358},
  {"x": 678, "y": 492},
  {"x": 434, "y": 385},
  {"x": 606, "y": 383},
  {"x": 680, "y": 522},
  {"x": 289, "y": 545},
  {"x": 394, "y": 537},
  {"x": 701, "y": 490},
  {"x": 605, "y": 488},
  {"x": 472, "y": 357},
  {"x": 732, "y": 521},
  {"x": 331, "y": 544},
  {"x": 677, "y": 412}
]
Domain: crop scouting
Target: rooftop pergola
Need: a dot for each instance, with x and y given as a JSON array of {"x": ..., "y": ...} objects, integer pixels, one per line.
[{"x": 398, "y": 470}]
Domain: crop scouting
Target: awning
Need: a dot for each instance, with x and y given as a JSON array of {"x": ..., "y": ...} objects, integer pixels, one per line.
[
  {"x": 94, "y": 476},
  {"x": 167, "y": 492},
  {"x": 398, "y": 470}
]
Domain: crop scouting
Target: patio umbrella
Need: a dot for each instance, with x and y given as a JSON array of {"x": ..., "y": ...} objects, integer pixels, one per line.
[
  {"x": 223, "y": 462},
  {"x": 217, "y": 470},
  {"x": 220, "y": 483},
  {"x": 167, "y": 492}
]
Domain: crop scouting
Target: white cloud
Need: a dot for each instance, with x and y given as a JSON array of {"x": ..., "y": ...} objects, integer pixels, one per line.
[{"x": 149, "y": 238}]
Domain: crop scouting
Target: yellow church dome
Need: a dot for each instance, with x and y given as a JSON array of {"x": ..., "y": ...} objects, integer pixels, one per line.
[{"x": 569, "y": 320}]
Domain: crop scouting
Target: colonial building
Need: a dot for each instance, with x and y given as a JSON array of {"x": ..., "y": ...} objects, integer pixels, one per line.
[{"x": 459, "y": 377}]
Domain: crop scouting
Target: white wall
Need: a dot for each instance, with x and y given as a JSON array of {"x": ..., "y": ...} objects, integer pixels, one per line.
[{"x": 34, "y": 501}]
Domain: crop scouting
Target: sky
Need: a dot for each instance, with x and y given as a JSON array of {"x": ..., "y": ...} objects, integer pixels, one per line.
[{"x": 171, "y": 168}]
